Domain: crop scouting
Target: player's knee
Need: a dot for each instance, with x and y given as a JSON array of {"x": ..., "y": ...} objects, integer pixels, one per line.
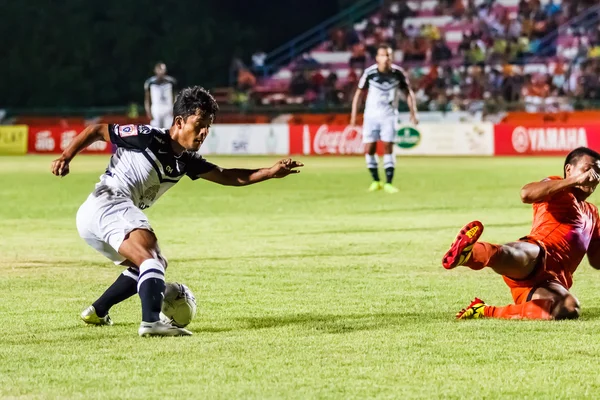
[{"x": 567, "y": 308}]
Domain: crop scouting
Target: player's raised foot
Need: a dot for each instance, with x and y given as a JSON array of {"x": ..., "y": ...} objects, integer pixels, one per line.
[
  {"x": 389, "y": 188},
  {"x": 89, "y": 316},
  {"x": 160, "y": 328},
  {"x": 475, "y": 310},
  {"x": 462, "y": 248},
  {"x": 375, "y": 186}
]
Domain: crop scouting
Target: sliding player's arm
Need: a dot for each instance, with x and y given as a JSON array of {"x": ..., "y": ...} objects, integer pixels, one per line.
[
  {"x": 244, "y": 177},
  {"x": 535, "y": 192},
  {"x": 91, "y": 134}
]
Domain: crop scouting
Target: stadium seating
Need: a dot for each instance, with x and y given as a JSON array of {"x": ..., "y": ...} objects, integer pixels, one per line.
[{"x": 458, "y": 53}]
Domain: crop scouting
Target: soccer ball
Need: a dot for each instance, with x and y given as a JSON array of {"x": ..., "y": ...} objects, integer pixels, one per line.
[{"x": 179, "y": 305}]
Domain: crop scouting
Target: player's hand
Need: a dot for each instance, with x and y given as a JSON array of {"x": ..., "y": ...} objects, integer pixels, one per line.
[
  {"x": 414, "y": 120},
  {"x": 285, "y": 167},
  {"x": 60, "y": 166},
  {"x": 590, "y": 178}
]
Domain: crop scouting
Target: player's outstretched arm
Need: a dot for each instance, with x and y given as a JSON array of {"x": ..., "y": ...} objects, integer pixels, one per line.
[
  {"x": 244, "y": 177},
  {"x": 91, "y": 134},
  {"x": 535, "y": 192}
]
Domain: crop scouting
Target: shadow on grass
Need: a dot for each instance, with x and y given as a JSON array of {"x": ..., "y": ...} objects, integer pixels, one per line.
[
  {"x": 333, "y": 323},
  {"x": 590, "y": 313},
  {"x": 411, "y": 229}
]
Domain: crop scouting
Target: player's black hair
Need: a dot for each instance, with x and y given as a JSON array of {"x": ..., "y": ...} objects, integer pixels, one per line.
[
  {"x": 576, "y": 154},
  {"x": 192, "y": 99},
  {"x": 384, "y": 46}
]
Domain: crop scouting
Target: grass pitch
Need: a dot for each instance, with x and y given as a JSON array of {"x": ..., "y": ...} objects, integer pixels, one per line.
[{"x": 308, "y": 287}]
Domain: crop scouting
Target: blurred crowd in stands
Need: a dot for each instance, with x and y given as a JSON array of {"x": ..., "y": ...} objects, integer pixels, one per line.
[{"x": 535, "y": 55}]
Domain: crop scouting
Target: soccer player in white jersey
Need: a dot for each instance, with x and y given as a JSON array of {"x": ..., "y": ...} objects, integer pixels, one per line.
[
  {"x": 159, "y": 95},
  {"x": 383, "y": 80},
  {"x": 147, "y": 162}
]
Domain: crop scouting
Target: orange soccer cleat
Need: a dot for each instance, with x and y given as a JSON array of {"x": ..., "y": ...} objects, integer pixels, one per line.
[{"x": 462, "y": 248}]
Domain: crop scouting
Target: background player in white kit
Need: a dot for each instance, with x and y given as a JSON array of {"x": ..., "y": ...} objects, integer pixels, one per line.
[
  {"x": 383, "y": 80},
  {"x": 159, "y": 95},
  {"x": 148, "y": 161}
]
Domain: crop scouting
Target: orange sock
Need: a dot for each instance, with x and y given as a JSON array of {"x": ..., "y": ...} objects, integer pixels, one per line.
[
  {"x": 483, "y": 255},
  {"x": 534, "y": 309}
]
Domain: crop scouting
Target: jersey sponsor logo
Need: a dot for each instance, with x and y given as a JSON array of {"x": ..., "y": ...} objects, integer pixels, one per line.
[
  {"x": 408, "y": 137},
  {"x": 548, "y": 139},
  {"x": 128, "y": 130}
]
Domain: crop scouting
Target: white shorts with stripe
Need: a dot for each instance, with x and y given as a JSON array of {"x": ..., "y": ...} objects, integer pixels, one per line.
[
  {"x": 104, "y": 221},
  {"x": 376, "y": 129}
]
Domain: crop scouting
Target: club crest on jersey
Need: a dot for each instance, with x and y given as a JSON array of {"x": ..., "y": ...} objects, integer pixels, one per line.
[{"x": 128, "y": 130}]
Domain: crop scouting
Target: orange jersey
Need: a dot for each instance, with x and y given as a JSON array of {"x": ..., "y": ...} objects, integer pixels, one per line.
[{"x": 565, "y": 226}]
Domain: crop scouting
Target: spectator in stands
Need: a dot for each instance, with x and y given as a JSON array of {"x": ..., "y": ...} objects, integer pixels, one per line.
[
  {"x": 594, "y": 50},
  {"x": 350, "y": 85},
  {"x": 246, "y": 81},
  {"x": 551, "y": 9},
  {"x": 307, "y": 62},
  {"x": 465, "y": 44},
  {"x": 399, "y": 11},
  {"x": 299, "y": 83},
  {"x": 258, "y": 61},
  {"x": 476, "y": 54},
  {"x": 338, "y": 40},
  {"x": 331, "y": 94},
  {"x": 352, "y": 38},
  {"x": 440, "y": 51},
  {"x": 498, "y": 52},
  {"x": 316, "y": 85},
  {"x": 358, "y": 58}
]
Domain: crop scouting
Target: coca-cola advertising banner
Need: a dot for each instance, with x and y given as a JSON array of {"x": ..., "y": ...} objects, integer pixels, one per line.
[
  {"x": 240, "y": 139},
  {"x": 423, "y": 140},
  {"x": 544, "y": 139},
  {"x": 327, "y": 139},
  {"x": 54, "y": 139}
]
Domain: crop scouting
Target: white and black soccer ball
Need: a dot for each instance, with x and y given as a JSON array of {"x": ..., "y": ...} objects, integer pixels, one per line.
[{"x": 179, "y": 305}]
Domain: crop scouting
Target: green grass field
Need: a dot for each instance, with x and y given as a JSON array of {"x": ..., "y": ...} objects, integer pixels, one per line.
[{"x": 307, "y": 287}]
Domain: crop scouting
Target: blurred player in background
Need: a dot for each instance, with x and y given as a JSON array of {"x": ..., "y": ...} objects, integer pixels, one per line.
[
  {"x": 148, "y": 161},
  {"x": 383, "y": 81},
  {"x": 539, "y": 268},
  {"x": 159, "y": 95}
]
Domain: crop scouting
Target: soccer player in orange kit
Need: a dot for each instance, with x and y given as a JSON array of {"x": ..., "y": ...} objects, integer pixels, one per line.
[{"x": 539, "y": 268}]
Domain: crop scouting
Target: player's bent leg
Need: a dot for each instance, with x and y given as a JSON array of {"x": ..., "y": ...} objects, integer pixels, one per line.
[
  {"x": 516, "y": 260},
  {"x": 389, "y": 165},
  {"x": 550, "y": 301},
  {"x": 123, "y": 288},
  {"x": 141, "y": 247},
  {"x": 565, "y": 305}
]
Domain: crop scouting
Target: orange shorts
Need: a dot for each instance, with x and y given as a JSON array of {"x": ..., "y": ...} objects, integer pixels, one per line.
[{"x": 523, "y": 289}]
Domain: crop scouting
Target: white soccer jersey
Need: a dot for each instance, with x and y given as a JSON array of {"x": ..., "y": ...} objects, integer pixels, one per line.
[
  {"x": 162, "y": 91},
  {"x": 145, "y": 166},
  {"x": 382, "y": 95}
]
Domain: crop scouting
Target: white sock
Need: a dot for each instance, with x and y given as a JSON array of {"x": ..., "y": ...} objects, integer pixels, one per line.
[
  {"x": 372, "y": 160},
  {"x": 389, "y": 161}
]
